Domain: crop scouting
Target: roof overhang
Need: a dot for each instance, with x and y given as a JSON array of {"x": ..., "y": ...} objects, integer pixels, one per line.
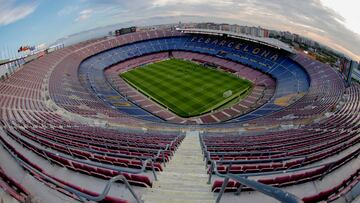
[{"x": 270, "y": 42}]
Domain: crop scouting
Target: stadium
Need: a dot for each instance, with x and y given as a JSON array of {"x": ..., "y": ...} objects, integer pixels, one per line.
[{"x": 179, "y": 115}]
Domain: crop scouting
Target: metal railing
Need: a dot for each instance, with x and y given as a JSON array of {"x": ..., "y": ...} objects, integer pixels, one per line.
[
  {"x": 330, "y": 165},
  {"x": 158, "y": 152},
  {"x": 81, "y": 195},
  {"x": 115, "y": 168},
  {"x": 276, "y": 193},
  {"x": 266, "y": 189}
]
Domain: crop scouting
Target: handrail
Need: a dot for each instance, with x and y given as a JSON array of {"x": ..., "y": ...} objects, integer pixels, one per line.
[
  {"x": 262, "y": 143},
  {"x": 207, "y": 157},
  {"x": 80, "y": 194},
  {"x": 213, "y": 168},
  {"x": 105, "y": 191},
  {"x": 159, "y": 152},
  {"x": 250, "y": 152},
  {"x": 286, "y": 151},
  {"x": 259, "y": 160},
  {"x": 119, "y": 169},
  {"x": 276, "y": 193},
  {"x": 331, "y": 164},
  {"x": 259, "y": 152},
  {"x": 266, "y": 189},
  {"x": 123, "y": 147},
  {"x": 109, "y": 153}
]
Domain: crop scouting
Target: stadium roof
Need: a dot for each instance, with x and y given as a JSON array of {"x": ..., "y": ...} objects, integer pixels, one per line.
[{"x": 271, "y": 42}]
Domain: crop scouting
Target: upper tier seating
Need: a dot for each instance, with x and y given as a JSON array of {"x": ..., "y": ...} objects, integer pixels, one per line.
[
  {"x": 49, "y": 118},
  {"x": 276, "y": 64},
  {"x": 264, "y": 88}
]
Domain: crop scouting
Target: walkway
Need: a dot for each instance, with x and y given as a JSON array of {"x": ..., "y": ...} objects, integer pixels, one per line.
[{"x": 184, "y": 178}]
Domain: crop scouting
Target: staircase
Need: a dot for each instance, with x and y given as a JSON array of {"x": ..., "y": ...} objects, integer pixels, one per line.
[{"x": 184, "y": 178}]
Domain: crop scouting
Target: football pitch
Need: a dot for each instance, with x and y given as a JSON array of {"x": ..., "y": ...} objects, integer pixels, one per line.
[{"x": 186, "y": 88}]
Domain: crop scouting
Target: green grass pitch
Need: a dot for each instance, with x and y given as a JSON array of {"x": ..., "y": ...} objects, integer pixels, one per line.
[{"x": 184, "y": 87}]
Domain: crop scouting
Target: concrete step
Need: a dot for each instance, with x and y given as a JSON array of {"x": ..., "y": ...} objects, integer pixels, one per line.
[
  {"x": 187, "y": 167},
  {"x": 176, "y": 194},
  {"x": 189, "y": 176},
  {"x": 183, "y": 187},
  {"x": 184, "y": 179},
  {"x": 174, "y": 200}
]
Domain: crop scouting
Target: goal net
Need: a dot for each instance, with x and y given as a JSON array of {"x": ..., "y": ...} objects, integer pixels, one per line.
[{"x": 227, "y": 94}]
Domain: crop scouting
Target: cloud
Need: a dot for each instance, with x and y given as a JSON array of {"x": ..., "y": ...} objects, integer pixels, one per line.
[
  {"x": 307, "y": 17},
  {"x": 84, "y": 14},
  {"x": 10, "y": 12},
  {"x": 158, "y": 3},
  {"x": 67, "y": 10}
]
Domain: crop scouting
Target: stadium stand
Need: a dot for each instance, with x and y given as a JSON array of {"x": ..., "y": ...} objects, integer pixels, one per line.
[
  {"x": 262, "y": 91},
  {"x": 284, "y": 68},
  {"x": 72, "y": 130}
]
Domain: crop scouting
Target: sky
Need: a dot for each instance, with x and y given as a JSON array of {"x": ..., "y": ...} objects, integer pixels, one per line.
[{"x": 32, "y": 22}]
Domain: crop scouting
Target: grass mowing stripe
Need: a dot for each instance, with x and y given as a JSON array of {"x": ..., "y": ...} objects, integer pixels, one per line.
[
  {"x": 159, "y": 89},
  {"x": 186, "y": 88},
  {"x": 166, "y": 103},
  {"x": 179, "y": 85}
]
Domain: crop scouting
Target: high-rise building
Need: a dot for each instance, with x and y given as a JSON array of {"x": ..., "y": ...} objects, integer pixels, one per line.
[{"x": 266, "y": 33}]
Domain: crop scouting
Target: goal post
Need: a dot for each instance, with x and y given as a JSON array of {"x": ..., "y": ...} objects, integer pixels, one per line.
[{"x": 227, "y": 94}]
